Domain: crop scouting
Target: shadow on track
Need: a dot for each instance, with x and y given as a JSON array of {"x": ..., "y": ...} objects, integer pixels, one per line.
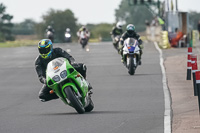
[
  {"x": 89, "y": 113},
  {"x": 147, "y": 74}
]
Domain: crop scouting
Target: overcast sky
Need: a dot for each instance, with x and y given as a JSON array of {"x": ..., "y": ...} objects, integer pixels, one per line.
[{"x": 87, "y": 11}]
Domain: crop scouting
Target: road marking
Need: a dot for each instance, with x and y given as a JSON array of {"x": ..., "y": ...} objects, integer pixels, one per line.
[
  {"x": 167, "y": 117},
  {"x": 68, "y": 50}
]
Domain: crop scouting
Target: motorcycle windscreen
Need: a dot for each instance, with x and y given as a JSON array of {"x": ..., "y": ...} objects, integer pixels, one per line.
[
  {"x": 56, "y": 69},
  {"x": 55, "y": 64},
  {"x": 131, "y": 44}
]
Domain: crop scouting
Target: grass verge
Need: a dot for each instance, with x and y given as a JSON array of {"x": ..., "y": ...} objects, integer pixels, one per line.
[{"x": 18, "y": 43}]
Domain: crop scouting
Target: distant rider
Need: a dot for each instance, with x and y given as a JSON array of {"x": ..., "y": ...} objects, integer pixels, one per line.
[
  {"x": 50, "y": 28},
  {"x": 46, "y": 54},
  {"x": 130, "y": 32},
  {"x": 67, "y": 30},
  {"x": 116, "y": 31},
  {"x": 83, "y": 31},
  {"x": 50, "y": 33},
  {"x": 68, "y": 35}
]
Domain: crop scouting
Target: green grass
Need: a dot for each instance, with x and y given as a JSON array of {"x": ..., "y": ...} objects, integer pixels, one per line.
[{"x": 18, "y": 43}]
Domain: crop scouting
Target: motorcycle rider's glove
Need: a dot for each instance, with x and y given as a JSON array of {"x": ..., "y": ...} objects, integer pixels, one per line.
[{"x": 42, "y": 80}]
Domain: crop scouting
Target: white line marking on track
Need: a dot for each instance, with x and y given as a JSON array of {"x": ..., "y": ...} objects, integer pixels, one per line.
[
  {"x": 167, "y": 113},
  {"x": 68, "y": 50}
]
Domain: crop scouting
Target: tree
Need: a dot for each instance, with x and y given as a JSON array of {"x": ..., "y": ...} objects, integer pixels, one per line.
[
  {"x": 27, "y": 27},
  {"x": 59, "y": 20},
  {"x": 5, "y": 25},
  {"x": 100, "y": 30},
  {"x": 136, "y": 14}
]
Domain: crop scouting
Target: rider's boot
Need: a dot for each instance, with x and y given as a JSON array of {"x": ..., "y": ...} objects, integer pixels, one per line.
[{"x": 89, "y": 88}]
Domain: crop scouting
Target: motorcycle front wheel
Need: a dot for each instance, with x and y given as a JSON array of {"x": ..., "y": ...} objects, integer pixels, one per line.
[
  {"x": 131, "y": 67},
  {"x": 74, "y": 100}
]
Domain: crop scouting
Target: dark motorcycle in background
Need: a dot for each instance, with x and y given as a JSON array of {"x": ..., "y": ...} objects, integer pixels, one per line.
[
  {"x": 50, "y": 35},
  {"x": 116, "y": 40}
]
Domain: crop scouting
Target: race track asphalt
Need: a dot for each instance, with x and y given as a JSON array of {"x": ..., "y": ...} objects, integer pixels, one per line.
[{"x": 123, "y": 103}]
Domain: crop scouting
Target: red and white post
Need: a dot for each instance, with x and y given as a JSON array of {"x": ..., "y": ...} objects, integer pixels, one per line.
[
  {"x": 189, "y": 65},
  {"x": 197, "y": 73},
  {"x": 194, "y": 69}
]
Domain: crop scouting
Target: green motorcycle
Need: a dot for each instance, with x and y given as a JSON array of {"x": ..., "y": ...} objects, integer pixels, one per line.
[{"x": 69, "y": 85}]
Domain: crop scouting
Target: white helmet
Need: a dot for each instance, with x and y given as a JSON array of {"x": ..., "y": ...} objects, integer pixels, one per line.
[
  {"x": 119, "y": 25},
  {"x": 68, "y": 30}
]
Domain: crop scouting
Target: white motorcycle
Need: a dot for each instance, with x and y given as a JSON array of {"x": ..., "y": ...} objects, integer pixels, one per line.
[
  {"x": 131, "y": 54},
  {"x": 67, "y": 37}
]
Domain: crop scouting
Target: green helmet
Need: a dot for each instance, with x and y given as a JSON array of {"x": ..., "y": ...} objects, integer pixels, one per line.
[{"x": 130, "y": 28}]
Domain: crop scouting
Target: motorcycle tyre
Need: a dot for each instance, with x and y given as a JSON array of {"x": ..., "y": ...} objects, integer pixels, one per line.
[
  {"x": 74, "y": 101},
  {"x": 90, "y": 107},
  {"x": 131, "y": 67}
]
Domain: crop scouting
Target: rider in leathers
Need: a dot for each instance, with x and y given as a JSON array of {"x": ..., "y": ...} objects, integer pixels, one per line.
[
  {"x": 116, "y": 31},
  {"x": 85, "y": 31},
  {"x": 130, "y": 32},
  {"x": 47, "y": 54}
]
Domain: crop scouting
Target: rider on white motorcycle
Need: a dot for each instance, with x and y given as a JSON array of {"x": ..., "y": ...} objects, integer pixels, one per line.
[{"x": 130, "y": 33}]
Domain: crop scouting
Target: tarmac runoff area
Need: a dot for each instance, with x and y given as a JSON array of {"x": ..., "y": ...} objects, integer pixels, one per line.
[{"x": 185, "y": 112}]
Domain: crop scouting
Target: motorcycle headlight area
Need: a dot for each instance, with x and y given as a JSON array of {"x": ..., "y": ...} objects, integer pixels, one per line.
[
  {"x": 56, "y": 78},
  {"x": 63, "y": 74},
  {"x": 67, "y": 35}
]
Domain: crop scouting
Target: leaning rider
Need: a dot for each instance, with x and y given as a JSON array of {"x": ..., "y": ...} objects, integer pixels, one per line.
[
  {"x": 130, "y": 32},
  {"x": 46, "y": 54}
]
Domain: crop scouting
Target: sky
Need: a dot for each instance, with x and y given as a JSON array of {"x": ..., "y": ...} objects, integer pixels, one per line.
[{"x": 86, "y": 11}]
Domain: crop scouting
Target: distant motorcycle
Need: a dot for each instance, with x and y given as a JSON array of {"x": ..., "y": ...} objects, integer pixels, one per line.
[
  {"x": 50, "y": 35},
  {"x": 83, "y": 39},
  {"x": 69, "y": 85},
  {"x": 116, "y": 40},
  {"x": 67, "y": 37},
  {"x": 131, "y": 54}
]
